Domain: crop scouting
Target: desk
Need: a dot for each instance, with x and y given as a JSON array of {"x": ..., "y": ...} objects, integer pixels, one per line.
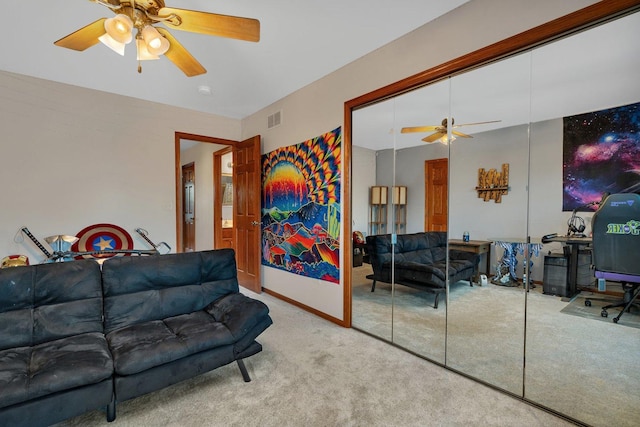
[
  {"x": 574, "y": 242},
  {"x": 477, "y": 247}
]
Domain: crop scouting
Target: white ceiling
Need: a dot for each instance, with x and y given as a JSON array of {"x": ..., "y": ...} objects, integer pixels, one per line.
[
  {"x": 589, "y": 71},
  {"x": 301, "y": 41}
]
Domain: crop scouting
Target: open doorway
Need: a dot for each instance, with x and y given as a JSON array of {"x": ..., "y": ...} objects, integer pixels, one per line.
[
  {"x": 244, "y": 190},
  {"x": 188, "y": 218}
]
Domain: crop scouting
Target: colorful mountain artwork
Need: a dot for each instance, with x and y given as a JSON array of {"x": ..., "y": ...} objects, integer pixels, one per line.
[{"x": 301, "y": 207}]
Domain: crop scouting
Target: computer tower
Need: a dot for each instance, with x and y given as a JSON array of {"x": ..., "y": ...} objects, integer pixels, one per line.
[
  {"x": 556, "y": 273},
  {"x": 555, "y": 280}
]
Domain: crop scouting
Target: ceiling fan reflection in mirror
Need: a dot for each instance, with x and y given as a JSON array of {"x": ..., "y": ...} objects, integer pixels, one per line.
[
  {"x": 141, "y": 16},
  {"x": 441, "y": 131}
]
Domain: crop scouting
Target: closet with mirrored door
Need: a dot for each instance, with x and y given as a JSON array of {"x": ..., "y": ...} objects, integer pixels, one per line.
[{"x": 501, "y": 129}]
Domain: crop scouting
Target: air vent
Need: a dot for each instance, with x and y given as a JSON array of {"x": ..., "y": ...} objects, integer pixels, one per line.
[{"x": 274, "y": 119}]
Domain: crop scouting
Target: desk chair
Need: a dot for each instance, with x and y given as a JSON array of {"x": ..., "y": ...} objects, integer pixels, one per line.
[{"x": 616, "y": 246}]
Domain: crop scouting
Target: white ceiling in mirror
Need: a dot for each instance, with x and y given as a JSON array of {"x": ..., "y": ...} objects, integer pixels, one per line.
[
  {"x": 597, "y": 69},
  {"x": 500, "y": 91}
]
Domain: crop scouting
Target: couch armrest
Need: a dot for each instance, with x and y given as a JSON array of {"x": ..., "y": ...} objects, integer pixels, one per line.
[{"x": 239, "y": 313}]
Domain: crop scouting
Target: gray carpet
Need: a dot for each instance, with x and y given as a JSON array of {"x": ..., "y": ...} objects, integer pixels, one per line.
[
  {"x": 577, "y": 308},
  {"x": 580, "y": 367},
  {"x": 314, "y": 373}
]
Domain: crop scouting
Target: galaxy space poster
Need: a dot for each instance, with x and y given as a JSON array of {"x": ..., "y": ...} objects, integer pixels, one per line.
[
  {"x": 301, "y": 207},
  {"x": 601, "y": 155}
]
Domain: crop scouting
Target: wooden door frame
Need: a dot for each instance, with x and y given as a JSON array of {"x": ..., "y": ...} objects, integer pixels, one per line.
[
  {"x": 179, "y": 136},
  {"x": 554, "y": 29}
]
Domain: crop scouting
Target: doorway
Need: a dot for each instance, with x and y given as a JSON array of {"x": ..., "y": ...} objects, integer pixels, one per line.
[
  {"x": 188, "y": 207},
  {"x": 246, "y": 190}
]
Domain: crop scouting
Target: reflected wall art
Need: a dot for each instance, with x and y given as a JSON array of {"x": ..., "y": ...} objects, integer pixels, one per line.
[{"x": 601, "y": 155}]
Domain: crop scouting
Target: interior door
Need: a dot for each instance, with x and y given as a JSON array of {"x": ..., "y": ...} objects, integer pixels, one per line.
[
  {"x": 246, "y": 174},
  {"x": 189, "y": 208},
  {"x": 436, "y": 187}
]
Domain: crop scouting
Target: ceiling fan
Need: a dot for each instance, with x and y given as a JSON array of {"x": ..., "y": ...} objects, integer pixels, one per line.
[
  {"x": 151, "y": 42},
  {"x": 441, "y": 131}
]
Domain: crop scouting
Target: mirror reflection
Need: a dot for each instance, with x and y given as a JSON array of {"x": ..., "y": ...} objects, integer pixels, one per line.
[
  {"x": 420, "y": 305},
  {"x": 579, "y": 363},
  {"x": 488, "y": 201},
  {"x": 372, "y": 310},
  {"x": 524, "y": 326}
]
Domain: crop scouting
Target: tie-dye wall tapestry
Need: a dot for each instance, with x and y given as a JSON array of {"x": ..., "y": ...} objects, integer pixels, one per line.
[
  {"x": 601, "y": 155},
  {"x": 301, "y": 207}
]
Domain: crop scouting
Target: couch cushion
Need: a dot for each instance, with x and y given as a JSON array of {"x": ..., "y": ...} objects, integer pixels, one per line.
[
  {"x": 142, "y": 346},
  {"x": 30, "y": 372},
  {"x": 142, "y": 289},
  {"x": 46, "y": 302}
]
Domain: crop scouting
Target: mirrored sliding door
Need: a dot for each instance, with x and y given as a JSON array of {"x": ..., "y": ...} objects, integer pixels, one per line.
[
  {"x": 417, "y": 324},
  {"x": 489, "y": 172},
  {"x": 372, "y": 170},
  {"x": 538, "y": 136},
  {"x": 583, "y": 132}
]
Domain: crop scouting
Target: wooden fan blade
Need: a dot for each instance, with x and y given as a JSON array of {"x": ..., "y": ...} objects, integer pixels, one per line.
[
  {"x": 181, "y": 57},
  {"x": 419, "y": 129},
  {"x": 433, "y": 137},
  {"x": 460, "y": 134},
  {"x": 477, "y": 123},
  {"x": 212, "y": 24},
  {"x": 84, "y": 38}
]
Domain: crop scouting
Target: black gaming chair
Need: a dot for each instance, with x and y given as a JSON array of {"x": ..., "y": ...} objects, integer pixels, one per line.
[{"x": 616, "y": 246}]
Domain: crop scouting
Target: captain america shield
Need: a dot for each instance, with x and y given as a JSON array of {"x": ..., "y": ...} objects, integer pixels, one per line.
[{"x": 103, "y": 240}]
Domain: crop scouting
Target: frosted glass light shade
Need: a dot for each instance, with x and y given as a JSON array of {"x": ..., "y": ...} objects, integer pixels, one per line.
[
  {"x": 156, "y": 44},
  {"x": 112, "y": 44},
  {"x": 444, "y": 139},
  {"x": 120, "y": 28},
  {"x": 143, "y": 52}
]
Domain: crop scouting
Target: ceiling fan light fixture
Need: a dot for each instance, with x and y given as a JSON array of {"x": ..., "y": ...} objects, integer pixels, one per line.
[
  {"x": 156, "y": 44},
  {"x": 112, "y": 44},
  {"x": 444, "y": 139},
  {"x": 143, "y": 52},
  {"x": 119, "y": 28}
]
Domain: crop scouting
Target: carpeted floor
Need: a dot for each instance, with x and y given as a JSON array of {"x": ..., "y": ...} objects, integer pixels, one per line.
[
  {"x": 314, "y": 373},
  {"x": 580, "y": 366},
  {"x": 577, "y": 308}
]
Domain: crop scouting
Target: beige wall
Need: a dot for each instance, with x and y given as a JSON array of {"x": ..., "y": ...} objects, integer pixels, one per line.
[
  {"x": 71, "y": 157},
  {"x": 319, "y": 107}
]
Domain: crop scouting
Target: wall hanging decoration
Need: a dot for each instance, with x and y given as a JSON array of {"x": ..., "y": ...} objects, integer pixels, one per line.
[
  {"x": 102, "y": 237},
  {"x": 492, "y": 185},
  {"x": 301, "y": 207},
  {"x": 601, "y": 154}
]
